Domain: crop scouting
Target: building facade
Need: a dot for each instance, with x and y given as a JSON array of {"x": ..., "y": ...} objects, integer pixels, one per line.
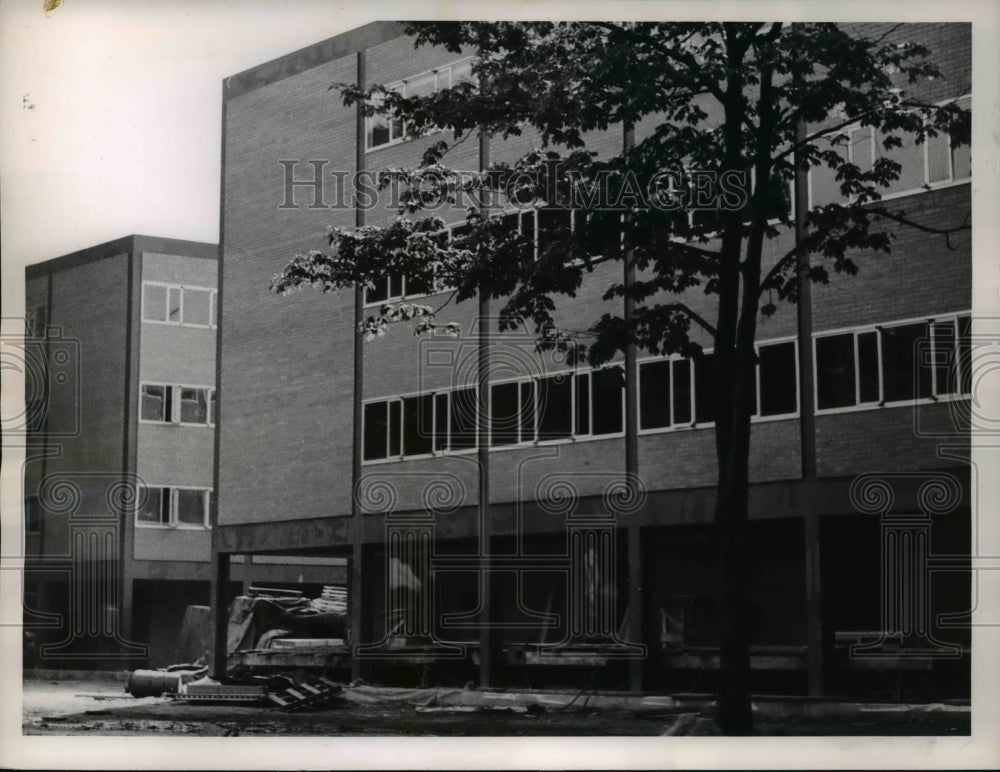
[
  {"x": 120, "y": 409},
  {"x": 563, "y": 566}
]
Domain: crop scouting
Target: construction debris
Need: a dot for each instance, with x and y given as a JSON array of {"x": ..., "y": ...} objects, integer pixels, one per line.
[{"x": 308, "y": 694}]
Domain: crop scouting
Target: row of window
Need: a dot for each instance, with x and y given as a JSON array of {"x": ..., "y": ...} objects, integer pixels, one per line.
[
  {"x": 926, "y": 359},
  {"x": 672, "y": 393},
  {"x": 172, "y": 507},
  {"x": 934, "y": 162},
  {"x": 381, "y": 130},
  {"x": 179, "y": 304},
  {"x": 892, "y": 363},
  {"x": 173, "y": 404}
]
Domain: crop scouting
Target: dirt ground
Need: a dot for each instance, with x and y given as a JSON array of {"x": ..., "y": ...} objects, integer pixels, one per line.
[{"x": 92, "y": 707}]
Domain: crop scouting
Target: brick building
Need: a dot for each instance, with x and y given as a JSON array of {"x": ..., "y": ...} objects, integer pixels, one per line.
[
  {"x": 557, "y": 522},
  {"x": 120, "y": 401}
]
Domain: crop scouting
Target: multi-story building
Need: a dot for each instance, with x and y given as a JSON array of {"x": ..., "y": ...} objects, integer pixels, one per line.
[
  {"x": 120, "y": 434},
  {"x": 553, "y": 518}
]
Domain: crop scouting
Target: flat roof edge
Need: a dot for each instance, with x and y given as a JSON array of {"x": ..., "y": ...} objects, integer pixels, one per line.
[
  {"x": 124, "y": 245},
  {"x": 331, "y": 49}
]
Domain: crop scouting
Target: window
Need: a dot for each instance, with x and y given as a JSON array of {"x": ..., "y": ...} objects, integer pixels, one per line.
[
  {"x": 777, "y": 372},
  {"x": 933, "y": 162},
  {"x": 376, "y": 434},
  {"x": 893, "y": 363},
  {"x": 418, "y": 425},
  {"x": 194, "y": 406},
  {"x": 176, "y": 304},
  {"x": 462, "y": 419},
  {"x": 607, "y": 400},
  {"x": 654, "y": 394},
  {"x": 169, "y": 403},
  {"x": 157, "y": 403},
  {"x": 381, "y": 130},
  {"x": 155, "y": 510},
  {"x": 671, "y": 391},
  {"x": 555, "y": 407},
  {"x": 166, "y": 507}
]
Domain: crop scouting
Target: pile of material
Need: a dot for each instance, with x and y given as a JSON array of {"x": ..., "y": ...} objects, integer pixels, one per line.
[{"x": 255, "y": 621}]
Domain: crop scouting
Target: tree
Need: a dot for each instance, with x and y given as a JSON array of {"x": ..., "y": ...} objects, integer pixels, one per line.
[{"x": 736, "y": 107}]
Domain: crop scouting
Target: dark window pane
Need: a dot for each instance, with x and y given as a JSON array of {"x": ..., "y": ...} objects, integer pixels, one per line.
[
  {"x": 582, "y": 403},
  {"x": 868, "y": 366},
  {"x": 376, "y": 429},
  {"x": 835, "y": 371},
  {"x": 418, "y": 414},
  {"x": 419, "y": 285},
  {"x": 504, "y": 418},
  {"x": 555, "y": 407},
  {"x": 156, "y": 403},
  {"x": 903, "y": 378},
  {"x": 527, "y": 417},
  {"x": 379, "y": 292},
  {"x": 463, "y": 419},
  {"x": 395, "y": 428},
  {"x": 778, "y": 387},
  {"x": 194, "y": 406},
  {"x": 654, "y": 394},
  {"x": 704, "y": 388},
  {"x": 441, "y": 422},
  {"x": 965, "y": 353},
  {"x": 191, "y": 507},
  {"x": 682, "y": 391},
  {"x": 396, "y": 284},
  {"x": 945, "y": 361},
  {"x": 607, "y": 400},
  {"x": 156, "y": 507}
]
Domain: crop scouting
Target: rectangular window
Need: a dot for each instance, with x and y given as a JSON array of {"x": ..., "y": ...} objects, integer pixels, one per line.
[
  {"x": 192, "y": 507},
  {"x": 376, "y": 435},
  {"x": 894, "y": 363},
  {"x": 582, "y": 382},
  {"x": 175, "y": 304},
  {"x": 910, "y": 156},
  {"x": 194, "y": 406},
  {"x": 869, "y": 382},
  {"x": 154, "y": 302},
  {"x": 964, "y": 354},
  {"x": 835, "y": 385},
  {"x": 382, "y": 130},
  {"x": 418, "y": 425},
  {"x": 681, "y": 376},
  {"x": 172, "y": 507},
  {"x": 555, "y": 407},
  {"x": 395, "y": 428},
  {"x": 197, "y": 306},
  {"x": 778, "y": 383},
  {"x": 157, "y": 403},
  {"x": 441, "y": 421},
  {"x": 526, "y": 419},
  {"x": 607, "y": 390},
  {"x": 153, "y": 506},
  {"x": 505, "y": 414},
  {"x": 654, "y": 394},
  {"x": 462, "y": 419},
  {"x": 903, "y": 379},
  {"x": 704, "y": 388}
]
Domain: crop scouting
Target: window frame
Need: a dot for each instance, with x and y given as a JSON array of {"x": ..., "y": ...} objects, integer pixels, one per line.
[
  {"x": 173, "y": 521},
  {"x": 182, "y": 288},
  {"x": 400, "y": 86},
  {"x": 175, "y": 404},
  {"x": 858, "y": 330},
  {"x": 927, "y": 184}
]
